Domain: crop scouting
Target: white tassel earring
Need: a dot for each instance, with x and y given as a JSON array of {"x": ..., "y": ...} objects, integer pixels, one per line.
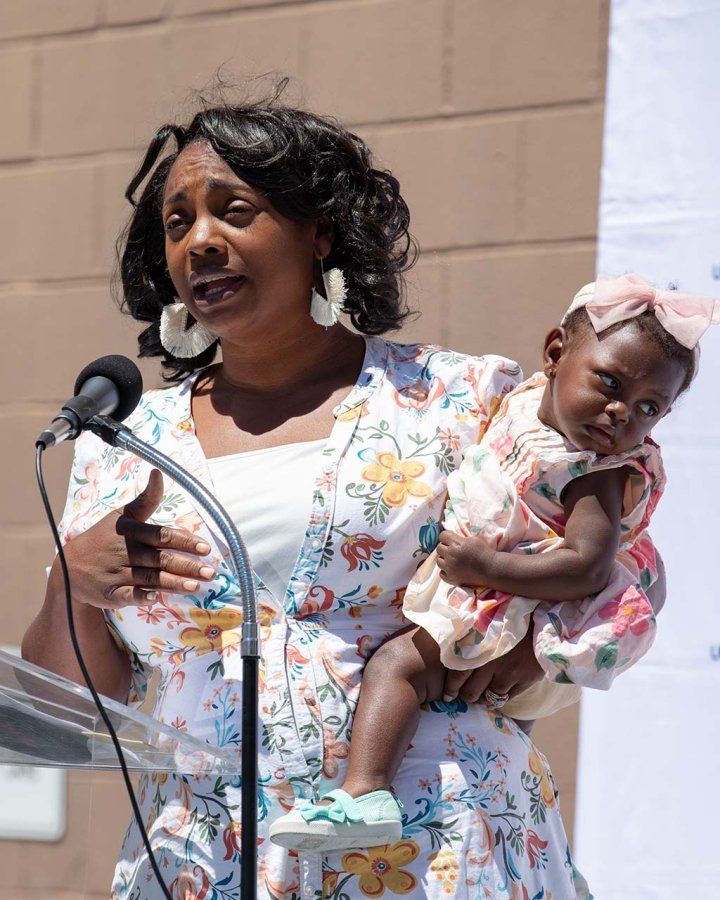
[
  {"x": 179, "y": 340},
  {"x": 326, "y": 310}
]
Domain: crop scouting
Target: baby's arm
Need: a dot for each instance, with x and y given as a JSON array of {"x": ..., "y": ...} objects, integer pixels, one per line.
[{"x": 580, "y": 566}]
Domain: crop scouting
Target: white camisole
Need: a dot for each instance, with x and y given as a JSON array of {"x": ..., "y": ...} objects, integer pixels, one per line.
[{"x": 268, "y": 494}]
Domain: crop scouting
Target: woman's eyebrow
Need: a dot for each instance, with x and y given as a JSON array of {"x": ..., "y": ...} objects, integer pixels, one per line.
[
  {"x": 212, "y": 184},
  {"x": 217, "y": 184},
  {"x": 178, "y": 195}
]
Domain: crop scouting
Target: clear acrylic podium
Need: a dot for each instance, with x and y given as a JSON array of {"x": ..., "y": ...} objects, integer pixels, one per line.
[{"x": 47, "y": 720}]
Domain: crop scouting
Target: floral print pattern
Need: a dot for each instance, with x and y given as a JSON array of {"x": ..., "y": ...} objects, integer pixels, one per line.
[
  {"x": 508, "y": 489},
  {"x": 471, "y": 799}
]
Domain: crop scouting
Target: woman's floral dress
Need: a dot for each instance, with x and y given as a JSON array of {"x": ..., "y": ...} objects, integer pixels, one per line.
[
  {"x": 481, "y": 816},
  {"x": 508, "y": 489}
]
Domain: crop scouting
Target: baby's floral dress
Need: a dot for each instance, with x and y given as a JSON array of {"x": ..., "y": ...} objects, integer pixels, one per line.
[
  {"x": 508, "y": 490},
  {"x": 481, "y": 815}
]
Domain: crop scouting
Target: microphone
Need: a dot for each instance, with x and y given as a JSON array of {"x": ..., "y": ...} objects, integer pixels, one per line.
[{"x": 109, "y": 386}]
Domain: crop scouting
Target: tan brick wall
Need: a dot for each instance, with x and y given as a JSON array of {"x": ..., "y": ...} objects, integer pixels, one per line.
[{"x": 490, "y": 113}]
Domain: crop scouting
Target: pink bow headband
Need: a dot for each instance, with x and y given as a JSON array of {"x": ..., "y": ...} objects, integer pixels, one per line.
[{"x": 610, "y": 300}]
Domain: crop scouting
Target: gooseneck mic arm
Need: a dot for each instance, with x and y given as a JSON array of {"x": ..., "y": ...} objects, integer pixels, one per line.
[{"x": 118, "y": 435}]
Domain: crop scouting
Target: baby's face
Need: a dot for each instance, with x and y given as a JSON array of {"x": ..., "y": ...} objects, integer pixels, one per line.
[{"x": 608, "y": 391}]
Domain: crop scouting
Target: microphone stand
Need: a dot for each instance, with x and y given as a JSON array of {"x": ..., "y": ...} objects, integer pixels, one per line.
[{"x": 118, "y": 435}]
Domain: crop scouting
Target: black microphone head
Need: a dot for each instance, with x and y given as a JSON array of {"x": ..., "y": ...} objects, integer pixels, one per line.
[{"x": 123, "y": 373}]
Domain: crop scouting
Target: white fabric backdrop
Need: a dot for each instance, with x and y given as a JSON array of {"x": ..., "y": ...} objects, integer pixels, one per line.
[{"x": 649, "y": 768}]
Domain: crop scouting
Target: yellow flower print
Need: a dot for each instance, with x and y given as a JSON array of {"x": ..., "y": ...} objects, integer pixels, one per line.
[
  {"x": 444, "y": 866},
  {"x": 216, "y": 631},
  {"x": 355, "y": 412},
  {"x": 380, "y": 868},
  {"x": 539, "y": 767},
  {"x": 184, "y": 427},
  {"x": 398, "y": 477}
]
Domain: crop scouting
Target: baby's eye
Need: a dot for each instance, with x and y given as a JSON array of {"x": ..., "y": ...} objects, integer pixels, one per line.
[
  {"x": 649, "y": 409},
  {"x": 609, "y": 380}
]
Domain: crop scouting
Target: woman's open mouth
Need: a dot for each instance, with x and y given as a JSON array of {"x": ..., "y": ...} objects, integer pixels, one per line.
[{"x": 212, "y": 290}]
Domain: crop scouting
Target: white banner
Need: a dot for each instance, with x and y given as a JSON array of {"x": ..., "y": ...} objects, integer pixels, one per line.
[{"x": 649, "y": 765}]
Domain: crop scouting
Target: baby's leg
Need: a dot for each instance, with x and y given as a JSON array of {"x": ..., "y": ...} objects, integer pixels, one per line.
[{"x": 403, "y": 673}]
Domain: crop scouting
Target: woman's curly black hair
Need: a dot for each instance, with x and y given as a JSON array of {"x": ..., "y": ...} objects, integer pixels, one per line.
[{"x": 307, "y": 166}]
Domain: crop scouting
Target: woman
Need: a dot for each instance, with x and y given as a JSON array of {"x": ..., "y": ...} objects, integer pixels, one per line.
[{"x": 318, "y": 439}]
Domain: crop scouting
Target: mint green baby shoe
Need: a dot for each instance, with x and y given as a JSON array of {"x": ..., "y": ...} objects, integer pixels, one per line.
[{"x": 370, "y": 820}]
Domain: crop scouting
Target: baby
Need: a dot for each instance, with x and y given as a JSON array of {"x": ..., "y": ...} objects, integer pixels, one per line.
[{"x": 544, "y": 542}]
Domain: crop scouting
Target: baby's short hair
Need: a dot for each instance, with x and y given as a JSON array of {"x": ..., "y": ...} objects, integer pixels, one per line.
[{"x": 578, "y": 322}]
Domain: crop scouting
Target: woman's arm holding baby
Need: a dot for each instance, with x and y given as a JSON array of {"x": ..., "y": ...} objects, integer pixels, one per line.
[{"x": 580, "y": 566}]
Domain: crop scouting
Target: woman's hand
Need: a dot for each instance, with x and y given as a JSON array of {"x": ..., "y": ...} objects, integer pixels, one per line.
[
  {"x": 464, "y": 560},
  {"x": 122, "y": 560},
  {"x": 510, "y": 674}
]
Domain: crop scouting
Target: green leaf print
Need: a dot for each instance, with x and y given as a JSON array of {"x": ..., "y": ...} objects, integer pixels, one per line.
[
  {"x": 561, "y": 678},
  {"x": 375, "y": 511},
  {"x": 479, "y": 457},
  {"x": 578, "y": 468},
  {"x": 645, "y": 579},
  {"x": 605, "y": 658},
  {"x": 556, "y": 624},
  {"x": 545, "y": 490},
  {"x": 558, "y": 658}
]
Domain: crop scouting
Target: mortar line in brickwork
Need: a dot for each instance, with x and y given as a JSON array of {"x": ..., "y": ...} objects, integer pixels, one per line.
[
  {"x": 26, "y": 286},
  {"x": 469, "y": 117},
  {"x": 71, "y": 160},
  {"x": 581, "y": 243},
  {"x": 503, "y": 114},
  {"x": 280, "y": 7}
]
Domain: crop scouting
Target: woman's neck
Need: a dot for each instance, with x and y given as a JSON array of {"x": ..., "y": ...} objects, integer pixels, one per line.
[{"x": 288, "y": 361}]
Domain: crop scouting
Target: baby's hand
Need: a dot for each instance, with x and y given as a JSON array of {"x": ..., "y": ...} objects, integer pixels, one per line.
[{"x": 464, "y": 560}]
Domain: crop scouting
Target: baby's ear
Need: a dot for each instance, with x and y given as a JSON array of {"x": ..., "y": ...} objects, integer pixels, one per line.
[{"x": 556, "y": 343}]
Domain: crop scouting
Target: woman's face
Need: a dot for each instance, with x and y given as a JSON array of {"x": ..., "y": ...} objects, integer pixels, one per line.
[{"x": 240, "y": 267}]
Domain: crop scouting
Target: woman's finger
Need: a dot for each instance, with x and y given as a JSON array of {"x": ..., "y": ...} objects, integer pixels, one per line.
[
  {"x": 127, "y": 595},
  {"x": 454, "y": 680},
  {"x": 148, "y": 500},
  {"x": 161, "y": 536},
  {"x": 477, "y": 683},
  {"x": 140, "y": 555},
  {"x": 164, "y": 581},
  {"x": 502, "y": 683}
]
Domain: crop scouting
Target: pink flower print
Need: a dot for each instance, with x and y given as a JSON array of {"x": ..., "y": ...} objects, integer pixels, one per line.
[
  {"x": 326, "y": 481},
  {"x": 449, "y": 439},
  {"x": 643, "y": 552},
  {"x": 150, "y": 615},
  {"x": 128, "y": 468},
  {"x": 189, "y": 522},
  {"x": 418, "y": 396},
  {"x": 629, "y": 610},
  {"x": 333, "y": 750},
  {"x": 88, "y": 493},
  {"x": 501, "y": 445}
]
